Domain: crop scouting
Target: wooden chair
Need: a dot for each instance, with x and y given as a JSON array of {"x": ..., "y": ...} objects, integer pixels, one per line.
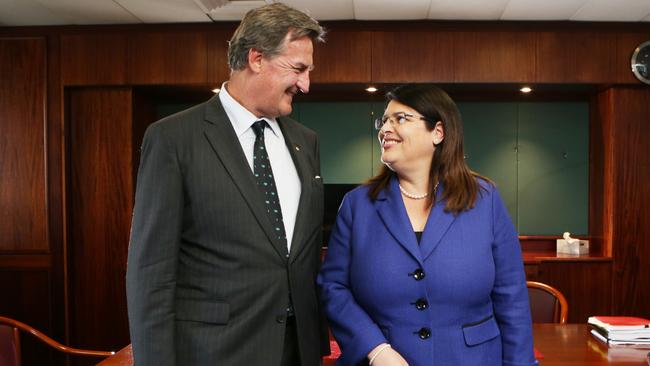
[
  {"x": 547, "y": 304},
  {"x": 10, "y": 343}
]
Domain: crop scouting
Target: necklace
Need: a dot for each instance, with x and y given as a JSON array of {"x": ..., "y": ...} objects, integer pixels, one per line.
[{"x": 415, "y": 196}]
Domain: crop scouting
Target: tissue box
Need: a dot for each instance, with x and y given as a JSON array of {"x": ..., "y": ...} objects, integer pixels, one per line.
[{"x": 575, "y": 248}]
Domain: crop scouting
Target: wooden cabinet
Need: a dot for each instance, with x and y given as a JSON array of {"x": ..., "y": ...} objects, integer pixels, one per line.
[{"x": 586, "y": 284}]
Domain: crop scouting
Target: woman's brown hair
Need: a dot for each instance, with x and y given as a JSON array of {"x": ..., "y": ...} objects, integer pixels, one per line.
[{"x": 448, "y": 166}]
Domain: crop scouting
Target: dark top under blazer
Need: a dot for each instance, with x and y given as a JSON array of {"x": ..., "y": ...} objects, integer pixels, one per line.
[
  {"x": 457, "y": 298},
  {"x": 207, "y": 281}
]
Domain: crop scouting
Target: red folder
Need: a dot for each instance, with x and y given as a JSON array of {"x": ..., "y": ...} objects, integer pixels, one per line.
[{"x": 619, "y": 322}]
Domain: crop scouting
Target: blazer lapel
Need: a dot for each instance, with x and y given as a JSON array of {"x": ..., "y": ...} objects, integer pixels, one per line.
[
  {"x": 392, "y": 211},
  {"x": 225, "y": 143},
  {"x": 437, "y": 225},
  {"x": 295, "y": 145}
]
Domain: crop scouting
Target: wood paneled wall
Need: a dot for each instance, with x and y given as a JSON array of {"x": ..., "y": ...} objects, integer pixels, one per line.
[
  {"x": 25, "y": 260},
  {"x": 627, "y": 173},
  {"x": 70, "y": 127},
  {"x": 475, "y": 53},
  {"x": 149, "y": 57},
  {"x": 337, "y": 60},
  {"x": 578, "y": 57},
  {"x": 97, "y": 57},
  {"x": 101, "y": 197},
  {"x": 23, "y": 227},
  {"x": 401, "y": 56}
]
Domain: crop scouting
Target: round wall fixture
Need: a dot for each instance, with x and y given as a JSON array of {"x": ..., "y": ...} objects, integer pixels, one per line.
[{"x": 641, "y": 62}]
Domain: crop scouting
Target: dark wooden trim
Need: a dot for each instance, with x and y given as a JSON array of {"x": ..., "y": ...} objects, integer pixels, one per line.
[
  {"x": 56, "y": 178},
  {"x": 25, "y": 261}
]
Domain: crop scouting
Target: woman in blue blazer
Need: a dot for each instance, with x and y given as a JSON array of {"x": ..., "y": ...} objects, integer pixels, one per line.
[{"x": 424, "y": 265}]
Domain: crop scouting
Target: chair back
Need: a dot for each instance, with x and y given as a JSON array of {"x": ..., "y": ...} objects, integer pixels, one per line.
[
  {"x": 9, "y": 346},
  {"x": 547, "y": 304},
  {"x": 10, "y": 343}
]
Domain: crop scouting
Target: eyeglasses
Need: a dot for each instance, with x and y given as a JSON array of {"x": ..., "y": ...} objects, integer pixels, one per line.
[{"x": 398, "y": 118}]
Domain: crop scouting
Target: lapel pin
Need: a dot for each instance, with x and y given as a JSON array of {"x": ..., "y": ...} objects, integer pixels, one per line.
[{"x": 297, "y": 148}]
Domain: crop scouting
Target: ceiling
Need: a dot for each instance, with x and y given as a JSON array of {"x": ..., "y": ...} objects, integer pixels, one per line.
[{"x": 72, "y": 12}]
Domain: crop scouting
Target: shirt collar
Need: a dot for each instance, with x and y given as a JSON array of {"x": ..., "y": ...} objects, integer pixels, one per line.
[{"x": 241, "y": 118}]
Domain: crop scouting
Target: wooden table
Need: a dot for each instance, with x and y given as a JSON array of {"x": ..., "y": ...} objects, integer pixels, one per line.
[
  {"x": 571, "y": 344},
  {"x": 566, "y": 345}
]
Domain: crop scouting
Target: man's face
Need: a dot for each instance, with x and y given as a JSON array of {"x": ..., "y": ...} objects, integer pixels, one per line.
[{"x": 283, "y": 76}]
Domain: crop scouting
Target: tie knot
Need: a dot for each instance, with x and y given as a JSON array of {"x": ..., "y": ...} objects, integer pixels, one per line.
[{"x": 258, "y": 127}]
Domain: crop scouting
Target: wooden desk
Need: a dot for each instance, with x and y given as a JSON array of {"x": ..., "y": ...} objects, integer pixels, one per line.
[
  {"x": 568, "y": 344},
  {"x": 571, "y": 344},
  {"x": 122, "y": 358}
]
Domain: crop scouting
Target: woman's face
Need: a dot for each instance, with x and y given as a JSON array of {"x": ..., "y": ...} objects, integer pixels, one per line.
[{"x": 406, "y": 144}]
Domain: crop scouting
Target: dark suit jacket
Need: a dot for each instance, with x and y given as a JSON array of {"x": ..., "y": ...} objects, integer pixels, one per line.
[{"x": 207, "y": 282}]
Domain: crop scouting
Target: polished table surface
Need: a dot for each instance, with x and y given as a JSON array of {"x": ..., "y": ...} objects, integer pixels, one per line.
[
  {"x": 571, "y": 344},
  {"x": 568, "y": 344}
]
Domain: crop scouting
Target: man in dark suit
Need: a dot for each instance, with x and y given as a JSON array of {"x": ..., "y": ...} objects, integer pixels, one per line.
[{"x": 226, "y": 235}]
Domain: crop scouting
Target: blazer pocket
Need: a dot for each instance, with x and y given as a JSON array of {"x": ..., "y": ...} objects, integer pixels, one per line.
[
  {"x": 481, "y": 331},
  {"x": 214, "y": 312}
]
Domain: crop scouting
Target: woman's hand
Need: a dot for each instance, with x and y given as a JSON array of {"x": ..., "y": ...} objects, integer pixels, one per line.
[{"x": 384, "y": 355}]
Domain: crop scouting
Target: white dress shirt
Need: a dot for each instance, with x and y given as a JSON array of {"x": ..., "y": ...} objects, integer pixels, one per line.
[{"x": 286, "y": 177}]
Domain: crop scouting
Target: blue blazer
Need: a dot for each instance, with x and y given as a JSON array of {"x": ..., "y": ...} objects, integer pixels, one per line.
[{"x": 457, "y": 298}]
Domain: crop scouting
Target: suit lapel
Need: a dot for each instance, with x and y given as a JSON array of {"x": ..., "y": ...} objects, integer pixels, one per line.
[
  {"x": 392, "y": 211},
  {"x": 437, "y": 225},
  {"x": 224, "y": 142},
  {"x": 295, "y": 145}
]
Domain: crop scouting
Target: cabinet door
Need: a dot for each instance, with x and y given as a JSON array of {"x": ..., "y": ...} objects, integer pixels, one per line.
[{"x": 585, "y": 284}]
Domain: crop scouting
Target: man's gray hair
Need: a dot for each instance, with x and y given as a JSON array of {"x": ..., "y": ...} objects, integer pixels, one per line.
[{"x": 265, "y": 28}]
